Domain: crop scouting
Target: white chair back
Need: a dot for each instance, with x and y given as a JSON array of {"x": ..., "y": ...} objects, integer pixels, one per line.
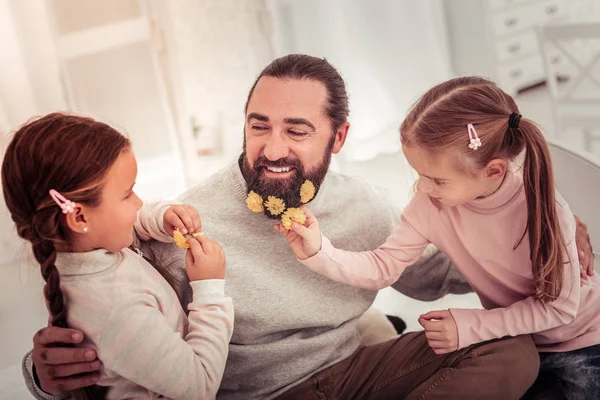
[{"x": 577, "y": 177}]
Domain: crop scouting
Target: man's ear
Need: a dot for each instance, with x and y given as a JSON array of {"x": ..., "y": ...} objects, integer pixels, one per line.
[{"x": 340, "y": 137}]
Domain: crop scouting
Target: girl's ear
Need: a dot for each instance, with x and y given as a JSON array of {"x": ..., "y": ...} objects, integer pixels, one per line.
[
  {"x": 77, "y": 221},
  {"x": 496, "y": 169}
]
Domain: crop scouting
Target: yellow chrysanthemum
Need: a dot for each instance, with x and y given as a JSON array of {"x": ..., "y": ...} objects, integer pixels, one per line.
[
  {"x": 180, "y": 239},
  {"x": 307, "y": 191},
  {"x": 275, "y": 205},
  {"x": 291, "y": 215},
  {"x": 254, "y": 201}
]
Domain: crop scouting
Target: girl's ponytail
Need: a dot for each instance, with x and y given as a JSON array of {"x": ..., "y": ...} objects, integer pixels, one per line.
[{"x": 546, "y": 242}]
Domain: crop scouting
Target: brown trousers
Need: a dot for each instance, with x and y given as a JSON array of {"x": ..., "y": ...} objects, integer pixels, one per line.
[{"x": 407, "y": 368}]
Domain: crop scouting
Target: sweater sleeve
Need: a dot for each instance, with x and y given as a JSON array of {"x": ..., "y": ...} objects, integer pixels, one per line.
[
  {"x": 37, "y": 392},
  {"x": 381, "y": 267},
  {"x": 149, "y": 223},
  {"x": 138, "y": 344},
  {"x": 529, "y": 315}
]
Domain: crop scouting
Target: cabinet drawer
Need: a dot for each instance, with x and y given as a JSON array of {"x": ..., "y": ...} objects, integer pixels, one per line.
[
  {"x": 516, "y": 47},
  {"x": 500, "y": 4},
  {"x": 525, "y": 17},
  {"x": 514, "y": 76}
]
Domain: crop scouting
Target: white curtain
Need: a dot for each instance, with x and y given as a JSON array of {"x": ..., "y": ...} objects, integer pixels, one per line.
[{"x": 388, "y": 52}]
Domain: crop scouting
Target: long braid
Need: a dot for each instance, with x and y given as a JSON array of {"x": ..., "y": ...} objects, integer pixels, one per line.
[{"x": 45, "y": 253}]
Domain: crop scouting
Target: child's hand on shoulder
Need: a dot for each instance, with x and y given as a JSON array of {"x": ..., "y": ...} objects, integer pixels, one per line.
[
  {"x": 205, "y": 259},
  {"x": 304, "y": 239},
  {"x": 182, "y": 216},
  {"x": 440, "y": 330}
]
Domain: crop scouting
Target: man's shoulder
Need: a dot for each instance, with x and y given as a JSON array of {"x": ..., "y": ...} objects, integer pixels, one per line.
[
  {"x": 351, "y": 191},
  {"x": 356, "y": 214},
  {"x": 209, "y": 189},
  {"x": 356, "y": 187}
]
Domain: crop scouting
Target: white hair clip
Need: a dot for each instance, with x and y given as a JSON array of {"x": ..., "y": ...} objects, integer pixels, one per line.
[{"x": 474, "y": 142}]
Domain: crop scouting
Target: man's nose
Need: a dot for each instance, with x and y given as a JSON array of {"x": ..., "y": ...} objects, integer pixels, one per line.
[{"x": 276, "y": 148}]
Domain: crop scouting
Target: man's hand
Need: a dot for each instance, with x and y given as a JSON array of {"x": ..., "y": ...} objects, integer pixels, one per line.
[
  {"x": 440, "y": 330},
  {"x": 62, "y": 369},
  {"x": 584, "y": 249}
]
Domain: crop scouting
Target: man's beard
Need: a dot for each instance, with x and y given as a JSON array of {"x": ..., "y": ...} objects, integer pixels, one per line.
[{"x": 288, "y": 189}]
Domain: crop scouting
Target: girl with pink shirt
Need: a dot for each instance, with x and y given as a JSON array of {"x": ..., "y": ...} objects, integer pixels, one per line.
[
  {"x": 497, "y": 214},
  {"x": 68, "y": 184}
]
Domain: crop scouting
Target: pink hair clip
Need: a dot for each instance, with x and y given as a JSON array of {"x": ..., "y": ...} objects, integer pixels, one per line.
[
  {"x": 474, "y": 142},
  {"x": 67, "y": 206}
]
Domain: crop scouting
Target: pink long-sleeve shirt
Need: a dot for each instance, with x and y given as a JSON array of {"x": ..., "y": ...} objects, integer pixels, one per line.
[
  {"x": 479, "y": 237},
  {"x": 133, "y": 318}
]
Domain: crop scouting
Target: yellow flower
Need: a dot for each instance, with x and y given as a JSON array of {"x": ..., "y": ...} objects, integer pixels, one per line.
[
  {"x": 291, "y": 215},
  {"x": 180, "y": 239},
  {"x": 307, "y": 191},
  {"x": 275, "y": 205},
  {"x": 254, "y": 202}
]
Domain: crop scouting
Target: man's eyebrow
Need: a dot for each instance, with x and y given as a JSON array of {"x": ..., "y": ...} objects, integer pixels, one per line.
[
  {"x": 300, "y": 121},
  {"x": 257, "y": 116}
]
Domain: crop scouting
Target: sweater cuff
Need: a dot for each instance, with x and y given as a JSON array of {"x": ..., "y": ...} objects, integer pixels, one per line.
[
  {"x": 466, "y": 325},
  {"x": 208, "y": 289},
  {"x": 27, "y": 368}
]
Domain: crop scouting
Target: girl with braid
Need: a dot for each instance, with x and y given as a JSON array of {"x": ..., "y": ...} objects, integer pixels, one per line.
[{"x": 68, "y": 184}]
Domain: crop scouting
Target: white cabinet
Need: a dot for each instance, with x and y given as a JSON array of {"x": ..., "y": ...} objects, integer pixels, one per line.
[{"x": 496, "y": 38}]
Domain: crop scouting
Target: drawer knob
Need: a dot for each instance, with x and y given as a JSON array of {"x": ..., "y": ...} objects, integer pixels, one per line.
[
  {"x": 515, "y": 73},
  {"x": 511, "y": 22},
  {"x": 514, "y": 48},
  {"x": 550, "y": 10}
]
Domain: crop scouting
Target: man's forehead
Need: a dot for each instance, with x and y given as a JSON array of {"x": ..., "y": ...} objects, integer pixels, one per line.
[{"x": 287, "y": 97}]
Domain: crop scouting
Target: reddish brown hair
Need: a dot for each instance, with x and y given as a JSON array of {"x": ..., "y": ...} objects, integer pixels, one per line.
[
  {"x": 67, "y": 153},
  {"x": 438, "y": 122}
]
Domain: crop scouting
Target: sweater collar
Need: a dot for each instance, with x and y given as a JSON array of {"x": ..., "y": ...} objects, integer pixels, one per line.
[
  {"x": 89, "y": 262},
  {"x": 508, "y": 191}
]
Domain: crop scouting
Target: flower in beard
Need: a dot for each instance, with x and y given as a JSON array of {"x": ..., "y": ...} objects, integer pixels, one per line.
[
  {"x": 254, "y": 201},
  {"x": 307, "y": 191},
  {"x": 275, "y": 205}
]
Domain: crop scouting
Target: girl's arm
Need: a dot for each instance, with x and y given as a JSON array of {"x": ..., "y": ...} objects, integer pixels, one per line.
[
  {"x": 138, "y": 344},
  {"x": 381, "y": 267}
]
